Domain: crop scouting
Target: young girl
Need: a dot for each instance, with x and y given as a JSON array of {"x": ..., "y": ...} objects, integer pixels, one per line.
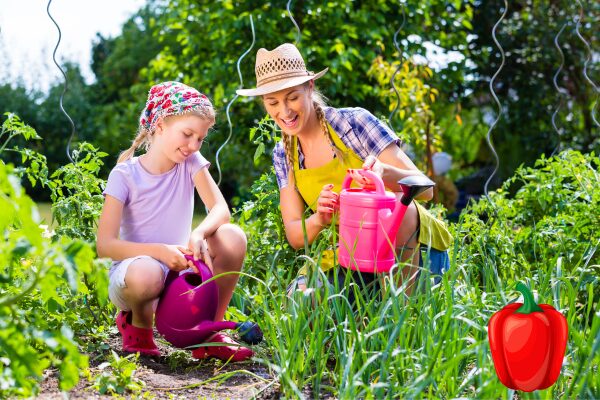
[
  {"x": 146, "y": 221},
  {"x": 319, "y": 145}
]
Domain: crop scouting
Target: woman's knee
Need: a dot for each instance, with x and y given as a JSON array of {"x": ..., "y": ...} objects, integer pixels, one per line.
[
  {"x": 144, "y": 279},
  {"x": 407, "y": 233}
]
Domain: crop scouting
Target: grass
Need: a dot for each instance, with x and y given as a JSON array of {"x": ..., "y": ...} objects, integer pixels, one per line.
[
  {"x": 197, "y": 219},
  {"x": 433, "y": 344}
]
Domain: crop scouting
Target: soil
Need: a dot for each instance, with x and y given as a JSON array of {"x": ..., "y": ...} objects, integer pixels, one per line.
[{"x": 175, "y": 375}]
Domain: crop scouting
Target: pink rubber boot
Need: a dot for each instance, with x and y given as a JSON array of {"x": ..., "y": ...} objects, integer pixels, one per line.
[
  {"x": 136, "y": 340},
  {"x": 233, "y": 353}
]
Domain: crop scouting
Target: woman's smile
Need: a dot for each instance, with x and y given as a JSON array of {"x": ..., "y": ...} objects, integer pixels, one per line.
[{"x": 290, "y": 122}]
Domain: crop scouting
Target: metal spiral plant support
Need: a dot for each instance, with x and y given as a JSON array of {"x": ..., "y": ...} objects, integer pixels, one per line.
[
  {"x": 298, "y": 33},
  {"x": 60, "y": 102},
  {"x": 562, "y": 91},
  {"x": 393, "y": 78},
  {"x": 233, "y": 100},
  {"x": 587, "y": 61},
  {"x": 65, "y": 86},
  {"x": 493, "y": 92}
]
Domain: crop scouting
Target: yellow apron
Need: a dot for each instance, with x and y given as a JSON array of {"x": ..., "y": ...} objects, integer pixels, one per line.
[{"x": 310, "y": 182}]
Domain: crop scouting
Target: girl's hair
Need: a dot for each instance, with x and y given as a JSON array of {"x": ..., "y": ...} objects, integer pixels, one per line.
[
  {"x": 318, "y": 101},
  {"x": 144, "y": 136}
]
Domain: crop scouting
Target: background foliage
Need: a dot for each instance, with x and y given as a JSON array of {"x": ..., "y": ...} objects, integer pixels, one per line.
[
  {"x": 50, "y": 282},
  {"x": 540, "y": 225},
  {"x": 199, "y": 42}
]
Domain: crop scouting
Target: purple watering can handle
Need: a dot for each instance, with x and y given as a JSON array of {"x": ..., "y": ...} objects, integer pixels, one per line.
[
  {"x": 379, "y": 187},
  {"x": 205, "y": 272}
]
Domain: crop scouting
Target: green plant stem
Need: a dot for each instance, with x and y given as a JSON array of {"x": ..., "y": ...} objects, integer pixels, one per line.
[
  {"x": 5, "y": 143},
  {"x": 12, "y": 300}
]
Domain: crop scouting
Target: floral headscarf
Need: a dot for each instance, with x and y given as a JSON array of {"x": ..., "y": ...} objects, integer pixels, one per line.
[{"x": 171, "y": 98}]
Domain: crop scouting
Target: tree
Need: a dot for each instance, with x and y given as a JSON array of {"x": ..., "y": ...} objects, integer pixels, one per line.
[
  {"x": 119, "y": 91},
  {"x": 525, "y": 84},
  {"x": 43, "y": 113},
  {"x": 346, "y": 36}
]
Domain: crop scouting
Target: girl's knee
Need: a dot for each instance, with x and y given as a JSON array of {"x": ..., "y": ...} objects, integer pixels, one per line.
[
  {"x": 144, "y": 278},
  {"x": 229, "y": 241},
  {"x": 236, "y": 235}
]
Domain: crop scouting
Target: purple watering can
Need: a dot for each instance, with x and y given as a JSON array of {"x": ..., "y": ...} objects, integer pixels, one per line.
[
  {"x": 369, "y": 221},
  {"x": 185, "y": 313}
]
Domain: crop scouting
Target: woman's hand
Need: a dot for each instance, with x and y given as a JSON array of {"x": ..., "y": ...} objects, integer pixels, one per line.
[
  {"x": 327, "y": 204},
  {"x": 199, "y": 248},
  {"x": 173, "y": 257},
  {"x": 372, "y": 164}
]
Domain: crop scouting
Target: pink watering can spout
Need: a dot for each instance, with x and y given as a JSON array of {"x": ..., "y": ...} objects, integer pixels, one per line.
[
  {"x": 412, "y": 186},
  {"x": 369, "y": 221},
  {"x": 187, "y": 308}
]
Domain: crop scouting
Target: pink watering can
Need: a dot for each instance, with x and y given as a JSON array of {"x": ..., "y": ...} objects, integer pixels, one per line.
[
  {"x": 186, "y": 311},
  {"x": 369, "y": 221}
]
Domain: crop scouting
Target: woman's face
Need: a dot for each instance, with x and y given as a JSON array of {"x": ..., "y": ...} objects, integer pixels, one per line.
[{"x": 291, "y": 108}]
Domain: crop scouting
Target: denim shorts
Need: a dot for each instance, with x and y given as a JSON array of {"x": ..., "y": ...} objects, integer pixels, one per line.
[{"x": 437, "y": 261}]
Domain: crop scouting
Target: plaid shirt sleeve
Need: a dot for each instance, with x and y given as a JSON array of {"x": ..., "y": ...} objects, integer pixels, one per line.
[
  {"x": 280, "y": 165},
  {"x": 367, "y": 136},
  {"x": 371, "y": 133}
]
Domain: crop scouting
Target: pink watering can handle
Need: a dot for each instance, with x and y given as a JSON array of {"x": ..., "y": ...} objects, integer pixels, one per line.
[
  {"x": 203, "y": 270},
  {"x": 379, "y": 186}
]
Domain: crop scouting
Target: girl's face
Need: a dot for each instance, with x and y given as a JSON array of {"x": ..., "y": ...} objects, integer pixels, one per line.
[
  {"x": 180, "y": 136},
  {"x": 291, "y": 108}
]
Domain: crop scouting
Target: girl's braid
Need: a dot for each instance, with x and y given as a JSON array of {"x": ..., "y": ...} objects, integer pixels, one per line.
[{"x": 139, "y": 140}]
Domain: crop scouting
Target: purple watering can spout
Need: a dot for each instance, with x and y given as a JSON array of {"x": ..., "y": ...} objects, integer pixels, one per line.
[{"x": 187, "y": 308}]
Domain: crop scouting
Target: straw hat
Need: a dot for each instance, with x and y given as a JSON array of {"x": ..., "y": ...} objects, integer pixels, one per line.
[{"x": 279, "y": 69}]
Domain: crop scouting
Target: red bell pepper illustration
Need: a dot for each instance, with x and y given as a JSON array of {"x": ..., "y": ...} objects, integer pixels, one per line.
[{"x": 528, "y": 343}]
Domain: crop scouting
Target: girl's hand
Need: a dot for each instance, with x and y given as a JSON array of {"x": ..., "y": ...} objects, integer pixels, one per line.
[
  {"x": 172, "y": 257},
  {"x": 199, "y": 249},
  {"x": 327, "y": 204}
]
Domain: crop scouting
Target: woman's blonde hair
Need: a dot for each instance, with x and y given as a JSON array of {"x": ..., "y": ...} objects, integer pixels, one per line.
[{"x": 144, "y": 136}]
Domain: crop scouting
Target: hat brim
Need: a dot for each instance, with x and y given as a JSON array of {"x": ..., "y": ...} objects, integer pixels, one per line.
[{"x": 280, "y": 85}]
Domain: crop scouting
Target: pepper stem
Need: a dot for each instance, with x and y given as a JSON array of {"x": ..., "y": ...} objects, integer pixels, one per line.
[{"x": 529, "y": 304}]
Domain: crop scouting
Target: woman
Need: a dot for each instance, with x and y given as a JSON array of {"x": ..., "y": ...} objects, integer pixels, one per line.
[{"x": 319, "y": 144}]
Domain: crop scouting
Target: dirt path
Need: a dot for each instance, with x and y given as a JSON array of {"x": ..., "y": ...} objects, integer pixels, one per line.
[{"x": 177, "y": 376}]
